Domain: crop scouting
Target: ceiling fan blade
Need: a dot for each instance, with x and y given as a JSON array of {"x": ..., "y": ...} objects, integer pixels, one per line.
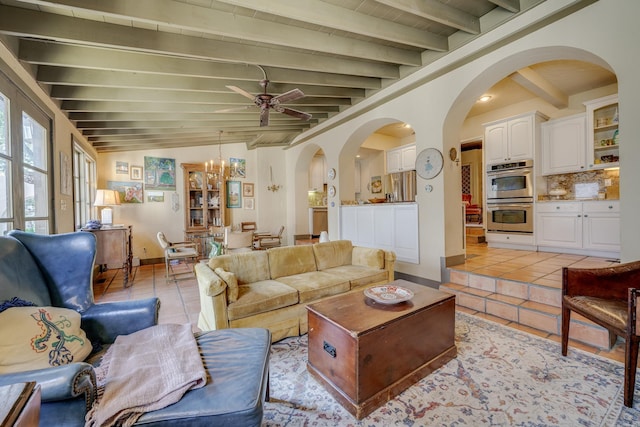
[
  {"x": 295, "y": 113},
  {"x": 229, "y": 110},
  {"x": 264, "y": 116},
  {"x": 242, "y": 92},
  {"x": 291, "y": 95}
]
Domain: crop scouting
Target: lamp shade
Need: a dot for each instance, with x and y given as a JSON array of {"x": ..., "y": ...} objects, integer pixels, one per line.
[{"x": 107, "y": 198}]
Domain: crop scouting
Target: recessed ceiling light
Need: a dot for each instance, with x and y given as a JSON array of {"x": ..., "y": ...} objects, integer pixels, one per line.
[{"x": 484, "y": 98}]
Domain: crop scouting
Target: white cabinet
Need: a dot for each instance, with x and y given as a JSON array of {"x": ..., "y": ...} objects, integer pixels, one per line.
[
  {"x": 401, "y": 158},
  {"x": 559, "y": 225},
  {"x": 563, "y": 146},
  {"x": 602, "y": 135},
  {"x": 591, "y": 227},
  {"x": 601, "y": 225},
  {"x": 512, "y": 139},
  {"x": 391, "y": 227},
  {"x": 317, "y": 173}
]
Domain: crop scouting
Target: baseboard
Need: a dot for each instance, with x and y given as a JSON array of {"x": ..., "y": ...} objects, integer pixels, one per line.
[{"x": 415, "y": 279}]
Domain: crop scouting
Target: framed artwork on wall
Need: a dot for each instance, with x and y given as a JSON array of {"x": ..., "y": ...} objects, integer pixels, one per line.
[
  {"x": 248, "y": 203},
  {"x": 122, "y": 167},
  {"x": 247, "y": 189},
  {"x": 136, "y": 173},
  {"x": 130, "y": 192},
  {"x": 234, "y": 195},
  {"x": 66, "y": 186},
  {"x": 160, "y": 173}
]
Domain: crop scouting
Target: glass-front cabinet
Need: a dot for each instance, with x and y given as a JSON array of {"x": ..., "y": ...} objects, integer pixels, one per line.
[
  {"x": 603, "y": 140},
  {"x": 204, "y": 197}
]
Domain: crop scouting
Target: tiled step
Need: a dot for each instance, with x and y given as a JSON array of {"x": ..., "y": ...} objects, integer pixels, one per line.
[{"x": 534, "y": 305}]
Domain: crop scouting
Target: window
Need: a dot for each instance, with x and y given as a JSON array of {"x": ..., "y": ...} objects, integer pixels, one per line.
[
  {"x": 84, "y": 185},
  {"x": 25, "y": 159}
]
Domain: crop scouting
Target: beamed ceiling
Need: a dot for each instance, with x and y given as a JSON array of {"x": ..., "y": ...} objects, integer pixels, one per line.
[{"x": 139, "y": 74}]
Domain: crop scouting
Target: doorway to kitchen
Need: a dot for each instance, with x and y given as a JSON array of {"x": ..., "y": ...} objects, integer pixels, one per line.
[{"x": 472, "y": 189}]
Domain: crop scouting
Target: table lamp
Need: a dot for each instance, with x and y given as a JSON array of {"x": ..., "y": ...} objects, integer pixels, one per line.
[{"x": 106, "y": 199}]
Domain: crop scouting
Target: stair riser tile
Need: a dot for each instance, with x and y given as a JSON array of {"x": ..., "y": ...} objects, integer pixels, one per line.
[
  {"x": 512, "y": 289},
  {"x": 547, "y": 296},
  {"x": 482, "y": 282},
  {"x": 471, "y": 301},
  {"x": 505, "y": 311},
  {"x": 459, "y": 277},
  {"x": 538, "y": 320},
  {"x": 592, "y": 335}
]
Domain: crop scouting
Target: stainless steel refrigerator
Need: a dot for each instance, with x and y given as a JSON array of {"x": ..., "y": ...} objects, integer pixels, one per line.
[{"x": 403, "y": 186}]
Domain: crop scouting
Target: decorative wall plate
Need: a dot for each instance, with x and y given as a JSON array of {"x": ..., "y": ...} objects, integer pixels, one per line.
[
  {"x": 331, "y": 173},
  {"x": 453, "y": 154},
  {"x": 332, "y": 191},
  {"x": 429, "y": 163}
]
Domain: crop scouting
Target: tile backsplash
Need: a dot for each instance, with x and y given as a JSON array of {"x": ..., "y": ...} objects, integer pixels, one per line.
[{"x": 586, "y": 184}]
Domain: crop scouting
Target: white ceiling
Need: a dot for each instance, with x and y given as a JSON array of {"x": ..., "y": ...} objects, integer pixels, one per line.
[{"x": 155, "y": 73}]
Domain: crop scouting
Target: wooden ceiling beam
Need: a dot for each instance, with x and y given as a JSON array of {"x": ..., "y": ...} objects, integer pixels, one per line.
[
  {"x": 28, "y": 23},
  {"x": 126, "y": 79},
  {"x": 327, "y": 15},
  {"x": 212, "y": 22},
  {"x": 437, "y": 12}
]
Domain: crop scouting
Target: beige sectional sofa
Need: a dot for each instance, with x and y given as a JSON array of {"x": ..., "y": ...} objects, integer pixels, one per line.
[{"x": 271, "y": 288}]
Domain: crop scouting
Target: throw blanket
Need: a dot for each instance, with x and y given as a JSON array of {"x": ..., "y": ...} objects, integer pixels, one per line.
[{"x": 145, "y": 371}]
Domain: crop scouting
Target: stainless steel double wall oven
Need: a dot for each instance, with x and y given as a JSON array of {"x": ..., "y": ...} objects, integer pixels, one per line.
[{"x": 510, "y": 197}]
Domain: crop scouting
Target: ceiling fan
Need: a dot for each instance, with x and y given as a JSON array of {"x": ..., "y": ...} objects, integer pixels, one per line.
[{"x": 266, "y": 101}]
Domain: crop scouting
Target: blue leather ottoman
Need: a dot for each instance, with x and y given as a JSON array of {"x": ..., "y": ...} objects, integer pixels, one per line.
[{"x": 237, "y": 363}]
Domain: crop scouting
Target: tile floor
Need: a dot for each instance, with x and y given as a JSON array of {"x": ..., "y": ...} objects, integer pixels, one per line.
[{"x": 180, "y": 300}]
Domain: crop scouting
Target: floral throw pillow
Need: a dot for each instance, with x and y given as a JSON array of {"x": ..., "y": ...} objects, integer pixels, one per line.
[{"x": 40, "y": 337}]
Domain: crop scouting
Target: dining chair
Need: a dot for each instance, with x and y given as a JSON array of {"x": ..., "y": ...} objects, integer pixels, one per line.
[
  {"x": 270, "y": 240},
  {"x": 176, "y": 252}
]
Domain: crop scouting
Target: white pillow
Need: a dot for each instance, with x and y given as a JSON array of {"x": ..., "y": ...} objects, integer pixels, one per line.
[{"x": 40, "y": 337}]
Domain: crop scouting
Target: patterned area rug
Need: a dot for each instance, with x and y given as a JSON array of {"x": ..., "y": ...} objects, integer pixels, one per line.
[{"x": 501, "y": 377}]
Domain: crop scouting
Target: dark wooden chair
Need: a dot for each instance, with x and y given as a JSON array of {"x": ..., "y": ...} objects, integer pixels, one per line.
[{"x": 606, "y": 296}]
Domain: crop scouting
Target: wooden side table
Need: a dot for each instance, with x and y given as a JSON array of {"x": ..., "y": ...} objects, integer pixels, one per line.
[
  {"x": 114, "y": 247},
  {"x": 20, "y": 404}
]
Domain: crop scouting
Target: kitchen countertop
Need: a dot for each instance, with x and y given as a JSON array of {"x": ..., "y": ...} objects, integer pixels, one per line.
[{"x": 576, "y": 200}]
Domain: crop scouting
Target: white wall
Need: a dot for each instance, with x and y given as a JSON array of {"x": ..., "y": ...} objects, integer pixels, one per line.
[
  {"x": 437, "y": 108},
  {"x": 150, "y": 217}
]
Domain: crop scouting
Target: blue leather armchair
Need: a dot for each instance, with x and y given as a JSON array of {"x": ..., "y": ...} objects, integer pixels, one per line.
[{"x": 57, "y": 270}]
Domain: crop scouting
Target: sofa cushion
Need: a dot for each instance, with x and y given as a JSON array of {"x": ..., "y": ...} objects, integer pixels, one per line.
[
  {"x": 359, "y": 275},
  {"x": 368, "y": 257},
  {"x": 289, "y": 260},
  {"x": 40, "y": 337},
  {"x": 316, "y": 284},
  {"x": 332, "y": 254},
  {"x": 248, "y": 267},
  {"x": 260, "y": 297},
  {"x": 232, "y": 283}
]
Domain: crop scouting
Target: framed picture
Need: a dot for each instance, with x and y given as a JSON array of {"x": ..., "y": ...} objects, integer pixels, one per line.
[
  {"x": 234, "y": 195},
  {"x": 136, "y": 172},
  {"x": 122, "y": 167},
  {"x": 247, "y": 189},
  {"x": 159, "y": 174},
  {"x": 66, "y": 186},
  {"x": 248, "y": 203},
  {"x": 130, "y": 192},
  {"x": 155, "y": 196},
  {"x": 237, "y": 168},
  {"x": 376, "y": 184}
]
